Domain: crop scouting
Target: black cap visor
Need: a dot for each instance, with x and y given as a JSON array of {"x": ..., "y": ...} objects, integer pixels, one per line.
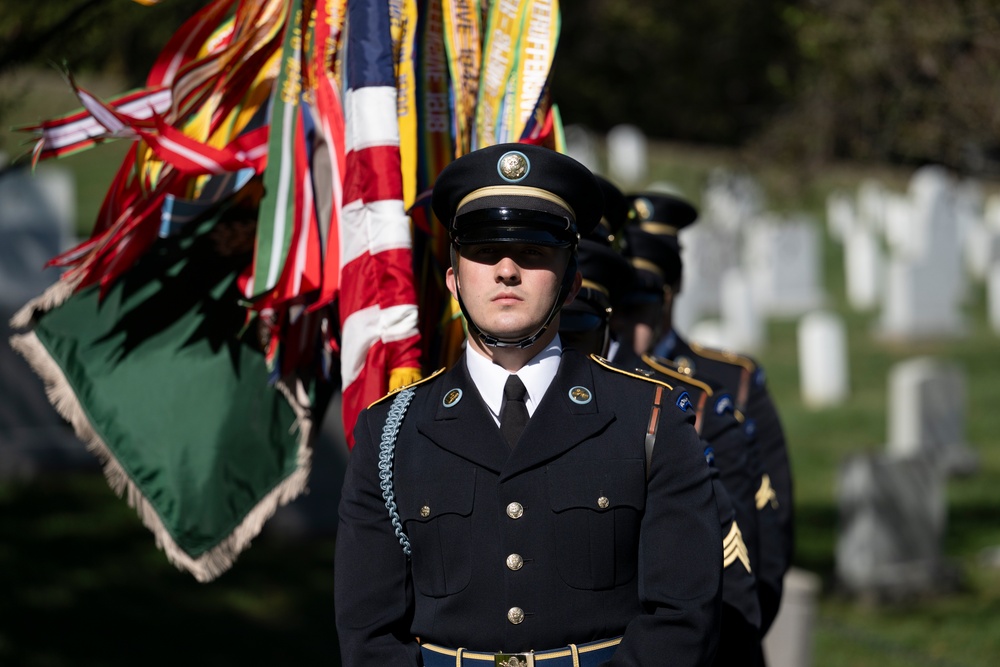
[{"x": 513, "y": 225}]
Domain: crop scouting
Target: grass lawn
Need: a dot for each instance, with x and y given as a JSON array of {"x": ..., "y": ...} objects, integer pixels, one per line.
[{"x": 83, "y": 584}]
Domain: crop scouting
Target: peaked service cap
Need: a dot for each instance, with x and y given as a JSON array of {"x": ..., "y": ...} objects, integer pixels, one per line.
[{"x": 517, "y": 193}]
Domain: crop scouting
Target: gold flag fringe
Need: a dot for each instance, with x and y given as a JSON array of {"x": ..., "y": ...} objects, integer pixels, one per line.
[
  {"x": 55, "y": 295},
  {"x": 219, "y": 558}
]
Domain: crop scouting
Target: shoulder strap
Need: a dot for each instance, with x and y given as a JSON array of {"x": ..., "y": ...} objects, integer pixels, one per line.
[{"x": 386, "y": 454}]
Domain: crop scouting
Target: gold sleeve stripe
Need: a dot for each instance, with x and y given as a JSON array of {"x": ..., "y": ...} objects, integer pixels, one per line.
[
  {"x": 674, "y": 373},
  {"x": 765, "y": 494},
  {"x": 407, "y": 386},
  {"x": 604, "y": 362},
  {"x": 734, "y": 549}
]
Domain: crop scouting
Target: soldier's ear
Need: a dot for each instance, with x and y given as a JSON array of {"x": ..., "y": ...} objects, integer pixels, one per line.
[{"x": 451, "y": 280}]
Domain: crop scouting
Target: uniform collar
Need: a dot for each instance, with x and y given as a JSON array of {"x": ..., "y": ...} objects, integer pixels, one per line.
[{"x": 536, "y": 375}]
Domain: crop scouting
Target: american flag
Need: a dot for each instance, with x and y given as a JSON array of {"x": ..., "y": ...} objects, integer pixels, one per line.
[{"x": 378, "y": 311}]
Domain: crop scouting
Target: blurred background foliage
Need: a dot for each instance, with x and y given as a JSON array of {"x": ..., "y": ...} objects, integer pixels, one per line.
[
  {"x": 901, "y": 81},
  {"x": 810, "y": 81}
]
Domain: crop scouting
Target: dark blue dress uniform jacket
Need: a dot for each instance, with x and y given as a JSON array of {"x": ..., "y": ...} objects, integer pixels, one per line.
[
  {"x": 744, "y": 379},
  {"x": 734, "y": 458},
  {"x": 607, "y": 549}
]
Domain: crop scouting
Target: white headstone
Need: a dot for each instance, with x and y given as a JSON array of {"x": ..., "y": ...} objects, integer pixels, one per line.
[
  {"x": 872, "y": 204},
  {"x": 731, "y": 199},
  {"x": 789, "y": 642},
  {"x": 892, "y": 522},
  {"x": 823, "y": 369},
  {"x": 993, "y": 297},
  {"x": 35, "y": 225},
  {"x": 784, "y": 260},
  {"x": 927, "y": 399},
  {"x": 863, "y": 268},
  {"x": 704, "y": 248},
  {"x": 991, "y": 211},
  {"x": 581, "y": 145},
  {"x": 743, "y": 326},
  {"x": 897, "y": 225},
  {"x": 841, "y": 217},
  {"x": 628, "y": 162},
  {"x": 923, "y": 297},
  {"x": 982, "y": 249}
]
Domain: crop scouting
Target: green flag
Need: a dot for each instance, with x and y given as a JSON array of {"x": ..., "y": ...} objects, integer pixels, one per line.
[{"x": 166, "y": 382}]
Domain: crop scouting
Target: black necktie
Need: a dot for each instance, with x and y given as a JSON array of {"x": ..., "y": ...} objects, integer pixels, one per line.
[{"x": 513, "y": 412}]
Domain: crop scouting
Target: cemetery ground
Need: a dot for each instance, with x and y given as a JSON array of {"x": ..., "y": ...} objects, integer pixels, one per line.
[{"x": 84, "y": 585}]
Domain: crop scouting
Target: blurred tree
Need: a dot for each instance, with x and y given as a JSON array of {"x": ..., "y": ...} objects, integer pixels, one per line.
[
  {"x": 89, "y": 35},
  {"x": 712, "y": 71},
  {"x": 903, "y": 81}
]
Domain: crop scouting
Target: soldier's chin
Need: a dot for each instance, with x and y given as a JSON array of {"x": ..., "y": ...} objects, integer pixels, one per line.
[{"x": 511, "y": 334}]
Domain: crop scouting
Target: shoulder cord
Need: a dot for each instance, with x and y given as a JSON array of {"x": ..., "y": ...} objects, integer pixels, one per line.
[{"x": 387, "y": 450}]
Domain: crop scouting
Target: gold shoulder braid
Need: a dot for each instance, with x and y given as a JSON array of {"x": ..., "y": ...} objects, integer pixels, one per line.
[
  {"x": 674, "y": 373},
  {"x": 408, "y": 386},
  {"x": 601, "y": 361},
  {"x": 725, "y": 355}
]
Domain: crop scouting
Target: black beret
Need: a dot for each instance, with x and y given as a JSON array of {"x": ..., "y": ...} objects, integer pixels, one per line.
[
  {"x": 517, "y": 192},
  {"x": 616, "y": 211}
]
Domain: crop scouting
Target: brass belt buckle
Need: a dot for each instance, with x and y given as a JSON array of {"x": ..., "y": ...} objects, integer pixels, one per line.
[{"x": 514, "y": 659}]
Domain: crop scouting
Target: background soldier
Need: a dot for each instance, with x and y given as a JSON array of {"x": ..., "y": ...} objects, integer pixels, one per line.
[
  {"x": 585, "y": 326},
  {"x": 515, "y": 507},
  {"x": 653, "y": 247}
]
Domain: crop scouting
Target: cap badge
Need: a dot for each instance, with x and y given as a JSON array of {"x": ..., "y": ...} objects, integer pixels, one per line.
[
  {"x": 580, "y": 395},
  {"x": 452, "y": 398},
  {"x": 513, "y": 166},
  {"x": 643, "y": 208}
]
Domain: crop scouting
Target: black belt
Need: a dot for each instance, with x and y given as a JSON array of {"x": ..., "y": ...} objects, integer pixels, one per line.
[{"x": 574, "y": 655}]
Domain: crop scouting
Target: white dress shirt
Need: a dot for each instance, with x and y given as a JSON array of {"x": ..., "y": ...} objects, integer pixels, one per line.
[{"x": 536, "y": 375}]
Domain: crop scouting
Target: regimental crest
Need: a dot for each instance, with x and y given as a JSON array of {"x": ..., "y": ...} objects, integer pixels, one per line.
[
  {"x": 580, "y": 395},
  {"x": 513, "y": 166},
  {"x": 643, "y": 208},
  {"x": 452, "y": 398},
  {"x": 684, "y": 402}
]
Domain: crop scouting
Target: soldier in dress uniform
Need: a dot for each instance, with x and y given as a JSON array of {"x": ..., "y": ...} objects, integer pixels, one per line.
[
  {"x": 653, "y": 247},
  {"x": 530, "y": 505},
  {"x": 585, "y": 326}
]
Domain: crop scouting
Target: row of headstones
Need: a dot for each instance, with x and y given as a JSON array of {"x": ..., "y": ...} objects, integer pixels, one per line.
[
  {"x": 892, "y": 504},
  {"x": 772, "y": 264},
  {"x": 914, "y": 253}
]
